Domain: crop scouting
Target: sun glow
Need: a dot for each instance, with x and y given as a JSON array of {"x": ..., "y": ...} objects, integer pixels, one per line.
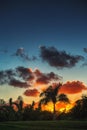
[
  {"x": 61, "y": 107},
  {"x": 48, "y": 107}
]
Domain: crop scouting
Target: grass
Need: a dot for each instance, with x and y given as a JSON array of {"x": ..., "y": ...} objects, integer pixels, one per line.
[{"x": 44, "y": 125}]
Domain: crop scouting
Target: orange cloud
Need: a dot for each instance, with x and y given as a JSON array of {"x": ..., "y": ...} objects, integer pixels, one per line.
[
  {"x": 32, "y": 92},
  {"x": 73, "y": 87}
]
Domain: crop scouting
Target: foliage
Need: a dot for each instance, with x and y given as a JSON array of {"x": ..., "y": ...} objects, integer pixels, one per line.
[
  {"x": 8, "y": 113},
  {"x": 79, "y": 111},
  {"x": 51, "y": 94}
]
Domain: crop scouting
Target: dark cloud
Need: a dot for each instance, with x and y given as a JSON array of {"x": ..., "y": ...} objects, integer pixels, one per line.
[
  {"x": 20, "y": 52},
  {"x": 32, "y": 92},
  {"x": 73, "y": 87},
  {"x": 34, "y": 58},
  {"x": 12, "y": 78},
  {"x": 85, "y": 61},
  {"x": 43, "y": 78},
  {"x": 24, "y": 77},
  {"x": 59, "y": 59},
  {"x": 23, "y": 72},
  {"x": 85, "y": 50},
  {"x": 17, "y": 83},
  {"x": 6, "y": 76},
  {"x": 37, "y": 76}
]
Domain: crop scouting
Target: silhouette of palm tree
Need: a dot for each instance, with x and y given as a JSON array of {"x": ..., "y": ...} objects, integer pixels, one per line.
[
  {"x": 10, "y": 102},
  {"x": 51, "y": 94},
  {"x": 20, "y": 103}
]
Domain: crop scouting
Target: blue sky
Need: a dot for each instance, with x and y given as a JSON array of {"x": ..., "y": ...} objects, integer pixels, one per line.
[{"x": 50, "y": 23}]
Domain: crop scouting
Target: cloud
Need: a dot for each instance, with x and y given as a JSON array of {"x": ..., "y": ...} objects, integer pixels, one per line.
[
  {"x": 73, "y": 87},
  {"x": 85, "y": 50},
  {"x": 23, "y": 72},
  {"x": 85, "y": 61},
  {"x": 59, "y": 59},
  {"x": 6, "y": 76},
  {"x": 25, "y": 77},
  {"x": 20, "y": 52},
  {"x": 17, "y": 83},
  {"x": 46, "y": 78},
  {"x": 12, "y": 77},
  {"x": 22, "y": 77},
  {"x": 37, "y": 76},
  {"x": 34, "y": 58},
  {"x": 32, "y": 92}
]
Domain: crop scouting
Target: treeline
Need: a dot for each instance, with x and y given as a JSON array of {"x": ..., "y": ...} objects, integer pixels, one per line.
[
  {"x": 18, "y": 113},
  {"x": 14, "y": 110}
]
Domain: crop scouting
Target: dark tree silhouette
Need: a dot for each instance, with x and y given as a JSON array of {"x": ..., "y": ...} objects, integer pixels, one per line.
[
  {"x": 51, "y": 94},
  {"x": 21, "y": 105},
  {"x": 18, "y": 103},
  {"x": 10, "y": 102},
  {"x": 79, "y": 111}
]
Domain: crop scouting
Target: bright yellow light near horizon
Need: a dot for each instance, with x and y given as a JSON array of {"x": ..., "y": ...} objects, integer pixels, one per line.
[
  {"x": 68, "y": 107},
  {"x": 48, "y": 107},
  {"x": 61, "y": 108}
]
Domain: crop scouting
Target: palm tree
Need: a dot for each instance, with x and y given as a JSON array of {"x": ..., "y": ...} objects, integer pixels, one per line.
[
  {"x": 79, "y": 111},
  {"x": 10, "y": 102},
  {"x": 20, "y": 102},
  {"x": 51, "y": 94}
]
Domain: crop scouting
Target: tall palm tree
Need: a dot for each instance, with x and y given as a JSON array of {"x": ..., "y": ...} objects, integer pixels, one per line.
[
  {"x": 10, "y": 102},
  {"x": 51, "y": 94},
  {"x": 20, "y": 102}
]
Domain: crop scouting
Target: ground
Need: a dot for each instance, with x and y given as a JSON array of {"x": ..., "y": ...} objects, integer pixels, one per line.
[{"x": 44, "y": 125}]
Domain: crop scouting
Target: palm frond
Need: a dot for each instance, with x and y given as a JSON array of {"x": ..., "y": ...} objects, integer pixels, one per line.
[
  {"x": 63, "y": 97},
  {"x": 44, "y": 101},
  {"x": 42, "y": 94},
  {"x": 57, "y": 89}
]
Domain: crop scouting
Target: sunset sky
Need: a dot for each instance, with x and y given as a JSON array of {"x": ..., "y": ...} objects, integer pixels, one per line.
[{"x": 42, "y": 43}]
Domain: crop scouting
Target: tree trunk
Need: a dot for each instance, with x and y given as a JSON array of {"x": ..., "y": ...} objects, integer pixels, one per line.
[{"x": 54, "y": 112}]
